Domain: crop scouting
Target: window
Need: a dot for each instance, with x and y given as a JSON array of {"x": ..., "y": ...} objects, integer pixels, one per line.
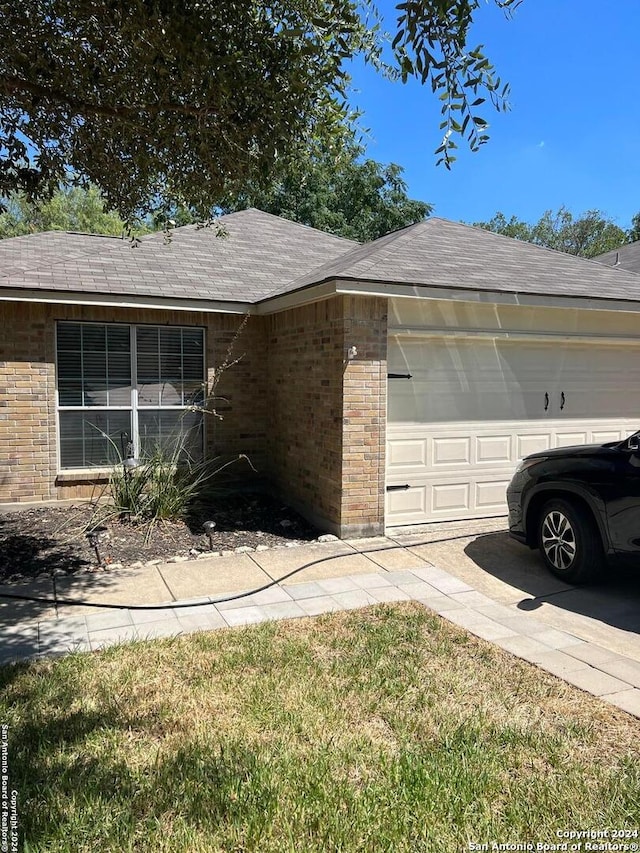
[{"x": 118, "y": 383}]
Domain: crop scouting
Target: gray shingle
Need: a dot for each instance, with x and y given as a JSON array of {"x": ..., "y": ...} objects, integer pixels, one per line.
[
  {"x": 265, "y": 256},
  {"x": 261, "y": 253},
  {"x": 439, "y": 253},
  {"x": 21, "y": 254},
  {"x": 626, "y": 257}
]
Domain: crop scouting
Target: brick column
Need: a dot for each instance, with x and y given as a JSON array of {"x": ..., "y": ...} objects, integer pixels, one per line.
[
  {"x": 327, "y": 412},
  {"x": 27, "y": 404},
  {"x": 364, "y": 416}
]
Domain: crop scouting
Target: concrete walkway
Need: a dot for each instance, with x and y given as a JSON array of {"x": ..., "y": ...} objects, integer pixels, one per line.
[{"x": 593, "y": 646}]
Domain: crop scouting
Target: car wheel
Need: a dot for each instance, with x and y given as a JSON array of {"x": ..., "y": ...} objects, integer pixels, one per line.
[{"x": 569, "y": 542}]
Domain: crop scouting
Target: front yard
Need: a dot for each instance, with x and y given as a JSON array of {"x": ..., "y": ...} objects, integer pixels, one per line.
[
  {"x": 384, "y": 729},
  {"x": 51, "y": 540}
]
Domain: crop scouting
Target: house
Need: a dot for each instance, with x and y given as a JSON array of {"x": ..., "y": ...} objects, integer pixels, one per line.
[
  {"x": 382, "y": 384},
  {"x": 627, "y": 257}
]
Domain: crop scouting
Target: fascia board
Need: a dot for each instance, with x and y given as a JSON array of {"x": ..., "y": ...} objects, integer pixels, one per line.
[
  {"x": 533, "y": 300},
  {"x": 296, "y": 298},
  {"x": 107, "y": 300}
]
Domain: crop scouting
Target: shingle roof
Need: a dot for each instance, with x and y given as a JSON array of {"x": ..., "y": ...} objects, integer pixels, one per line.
[
  {"x": 440, "y": 253},
  {"x": 22, "y": 254},
  {"x": 266, "y": 256},
  {"x": 261, "y": 253},
  {"x": 627, "y": 257}
]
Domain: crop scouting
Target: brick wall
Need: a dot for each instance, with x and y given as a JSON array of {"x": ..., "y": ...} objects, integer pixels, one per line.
[
  {"x": 27, "y": 382},
  {"x": 241, "y": 395},
  {"x": 28, "y": 439},
  {"x": 327, "y": 412},
  {"x": 306, "y": 352},
  {"x": 310, "y": 419},
  {"x": 364, "y": 416}
]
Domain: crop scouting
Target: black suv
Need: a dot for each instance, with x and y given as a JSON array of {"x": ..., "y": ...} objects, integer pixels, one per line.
[{"x": 579, "y": 506}]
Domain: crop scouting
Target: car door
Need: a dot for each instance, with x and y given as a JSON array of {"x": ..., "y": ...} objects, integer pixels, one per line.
[{"x": 622, "y": 500}]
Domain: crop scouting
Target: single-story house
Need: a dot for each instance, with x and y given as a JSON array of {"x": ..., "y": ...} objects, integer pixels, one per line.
[
  {"x": 626, "y": 257},
  {"x": 383, "y": 384}
]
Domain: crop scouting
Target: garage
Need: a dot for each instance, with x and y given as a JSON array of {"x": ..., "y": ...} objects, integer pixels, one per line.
[{"x": 469, "y": 397}]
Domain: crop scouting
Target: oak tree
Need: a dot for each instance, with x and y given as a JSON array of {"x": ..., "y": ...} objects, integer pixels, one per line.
[
  {"x": 69, "y": 209},
  {"x": 159, "y": 102},
  {"x": 339, "y": 192},
  {"x": 590, "y": 234}
]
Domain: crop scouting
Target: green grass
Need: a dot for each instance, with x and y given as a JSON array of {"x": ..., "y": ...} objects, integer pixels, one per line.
[{"x": 383, "y": 729}]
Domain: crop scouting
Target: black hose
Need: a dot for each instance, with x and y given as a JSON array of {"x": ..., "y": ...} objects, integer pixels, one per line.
[{"x": 70, "y": 602}]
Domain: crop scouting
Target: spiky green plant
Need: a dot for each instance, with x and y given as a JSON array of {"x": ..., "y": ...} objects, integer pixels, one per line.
[{"x": 164, "y": 486}]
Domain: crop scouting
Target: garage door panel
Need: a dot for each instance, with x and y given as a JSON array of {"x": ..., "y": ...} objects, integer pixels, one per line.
[
  {"x": 408, "y": 504},
  {"x": 407, "y": 453},
  {"x": 476, "y": 405},
  {"x": 449, "y": 451},
  {"x": 604, "y": 436},
  {"x": 490, "y": 495},
  {"x": 472, "y": 379},
  {"x": 492, "y": 449},
  {"x": 568, "y": 439},
  {"x": 460, "y": 379},
  {"x": 527, "y": 444},
  {"x": 446, "y": 497},
  {"x": 456, "y": 489}
]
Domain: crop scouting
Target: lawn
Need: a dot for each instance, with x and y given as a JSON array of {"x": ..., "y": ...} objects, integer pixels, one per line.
[{"x": 384, "y": 729}]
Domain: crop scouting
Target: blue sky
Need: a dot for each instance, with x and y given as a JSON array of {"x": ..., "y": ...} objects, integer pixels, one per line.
[{"x": 572, "y": 136}]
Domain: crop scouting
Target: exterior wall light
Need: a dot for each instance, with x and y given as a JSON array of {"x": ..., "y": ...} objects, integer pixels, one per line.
[
  {"x": 129, "y": 462},
  {"x": 352, "y": 352}
]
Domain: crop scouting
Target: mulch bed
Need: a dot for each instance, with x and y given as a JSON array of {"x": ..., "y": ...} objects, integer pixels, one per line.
[{"x": 52, "y": 540}]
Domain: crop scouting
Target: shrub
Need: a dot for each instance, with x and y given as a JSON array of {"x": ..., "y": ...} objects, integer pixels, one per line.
[{"x": 163, "y": 486}]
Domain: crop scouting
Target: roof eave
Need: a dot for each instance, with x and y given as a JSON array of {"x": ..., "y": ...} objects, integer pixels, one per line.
[
  {"x": 316, "y": 292},
  {"x": 118, "y": 300},
  {"x": 357, "y": 287},
  {"x": 500, "y": 297}
]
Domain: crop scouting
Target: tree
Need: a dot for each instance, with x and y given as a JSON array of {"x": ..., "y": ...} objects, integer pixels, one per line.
[
  {"x": 633, "y": 233},
  {"x": 183, "y": 103},
  {"x": 69, "y": 209},
  {"x": 590, "y": 234},
  {"x": 513, "y": 227},
  {"x": 341, "y": 194}
]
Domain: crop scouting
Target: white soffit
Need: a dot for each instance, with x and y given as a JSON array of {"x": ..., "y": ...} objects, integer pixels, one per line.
[
  {"x": 57, "y": 297},
  {"x": 534, "y": 300}
]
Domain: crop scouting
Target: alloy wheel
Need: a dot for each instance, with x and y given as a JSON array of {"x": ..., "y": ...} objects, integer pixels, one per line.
[{"x": 558, "y": 540}]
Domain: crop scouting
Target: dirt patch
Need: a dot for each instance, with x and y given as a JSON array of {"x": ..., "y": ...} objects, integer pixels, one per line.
[{"x": 53, "y": 540}]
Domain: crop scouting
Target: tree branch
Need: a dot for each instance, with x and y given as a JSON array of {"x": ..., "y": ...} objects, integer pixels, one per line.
[{"x": 11, "y": 85}]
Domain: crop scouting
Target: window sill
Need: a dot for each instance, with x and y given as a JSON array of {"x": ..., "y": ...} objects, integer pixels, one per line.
[{"x": 83, "y": 475}]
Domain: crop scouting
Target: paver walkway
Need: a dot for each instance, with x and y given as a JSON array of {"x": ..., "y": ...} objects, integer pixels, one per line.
[{"x": 179, "y": 598}]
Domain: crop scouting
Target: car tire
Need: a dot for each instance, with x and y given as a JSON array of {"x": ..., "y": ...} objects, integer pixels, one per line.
[{"x": 569, "y": 542}]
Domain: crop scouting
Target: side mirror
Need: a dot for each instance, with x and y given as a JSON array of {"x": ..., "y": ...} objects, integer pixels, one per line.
[{"x": 633, "y": 443}]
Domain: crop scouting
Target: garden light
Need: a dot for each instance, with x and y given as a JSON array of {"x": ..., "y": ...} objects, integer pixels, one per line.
[
  {"x": 209, "y": 527},
  {"x": 96, "y": 537}
]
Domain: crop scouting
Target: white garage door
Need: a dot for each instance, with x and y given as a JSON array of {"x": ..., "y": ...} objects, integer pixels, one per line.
[{"x": 476, "y": 405}]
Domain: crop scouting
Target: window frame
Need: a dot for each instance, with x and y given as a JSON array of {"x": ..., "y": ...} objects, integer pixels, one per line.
[{"x": 134, "y": 408}]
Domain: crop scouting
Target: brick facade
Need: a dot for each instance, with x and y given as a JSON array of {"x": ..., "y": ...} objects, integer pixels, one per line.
[
  {"x": 364, "y": 395},
  {"x": 27, "y": 404},
  {"x": 310, "y": 419},
  {"x": 327, "y": 412},
  {"x": 28, "y": 438}
]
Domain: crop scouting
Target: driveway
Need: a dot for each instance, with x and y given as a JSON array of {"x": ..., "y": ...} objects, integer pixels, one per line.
[{"x": 482, "y": 554}]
